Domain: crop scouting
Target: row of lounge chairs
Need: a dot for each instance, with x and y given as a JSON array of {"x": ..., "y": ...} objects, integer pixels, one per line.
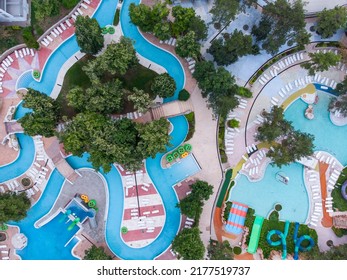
[
  {"x": 315, "y": 216},
  {"x": 229, "y": 136},
  {"x": 188, "y": 223},
  {"x": 191, "y": 64},
  {"x": 171, "y": 41}
]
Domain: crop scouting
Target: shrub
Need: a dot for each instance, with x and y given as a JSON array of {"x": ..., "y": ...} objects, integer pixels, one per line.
[
  {"x": 233, "y": 123},
  {"x": 339, "y": 232},
  {"x": 278, "y": 207},
  {"x": 191, "y": 122},
  {"x": 116, "y": 17},
  {"x": 237, "y": 250},
  {"x": 183, "y": 95},
  {"x": 217, "y": 25},
  {"x": 26, "y": 182},
  {"x": 245, "y": 27},
  {"x": 68, "y": 4},
  {"x": 245, "y": 92},
  {"x": 228, "y": 205},
  {"x": 29, "y": 38}
]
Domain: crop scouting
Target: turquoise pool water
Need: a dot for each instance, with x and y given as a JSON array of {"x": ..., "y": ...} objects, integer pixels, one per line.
[
  {"x": 328, "y": 137},
  {"x": 264, "y": 194},
  {"x": 22, "y": 162},
  {"x": 78, "y": 211}
]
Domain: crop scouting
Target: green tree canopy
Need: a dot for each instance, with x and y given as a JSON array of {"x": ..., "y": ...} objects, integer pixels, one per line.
[
  {"x": 88, "y": 35},
  {"x": 199, "y": 27},
  {"x": 183, "y": 17},
  {"x": 45, "y": 8},
  {"x": 106, "y": 98},
  {"x": 153, "y": 137},
  {"x": 45, "y": 116},
  {"x": 341, "y": 87},
  {"x": 218, "y": 86},
  {"x": 287, "y": 21},
  {"x": 329, "y": 21},
  {"x": 162, "y": 31},
  {"x": 13, "y": 207},
  {"x": 288, "y": 144},
  {"x": 223, "y": 11},
  {"x": 229, "y": 50},
  {"x": 188, "y": 244},
  {"x": 335, "y": 253},
  {"x": 164, "y": 85},
  {"x": 141, "y": 100},
  {"x": 146, "y": 18},
  {"x": 187, "y": 45},
  {"x": 96, "y": 253},
  {"x": 321, "y": 62}
]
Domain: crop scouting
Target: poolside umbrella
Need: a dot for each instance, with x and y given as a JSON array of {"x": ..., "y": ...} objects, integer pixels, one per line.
[{"x": 19, "y": 241}]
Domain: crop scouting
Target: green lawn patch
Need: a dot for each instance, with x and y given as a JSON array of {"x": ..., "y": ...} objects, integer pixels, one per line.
[
  {"x": 221, "y": 134},
  {"x": 338, "y": 201},
  {"x": 279, "y": 225},
  {"x": 191, "y": 122},
  {"x": 339, "y": 231},
  {"x": 225, "y": 186}
]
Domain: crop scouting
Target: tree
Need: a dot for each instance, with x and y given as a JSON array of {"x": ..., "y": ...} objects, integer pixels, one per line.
[
  {"x": 223, "y": 11},
  {"x": 199, "y": 27},
  {"x": 341, "y": 88},
  {"x": 335, "y": 253},
  {"x": 188, "y": 244},
  {"x": 287, "y": 21},
  {"x": 201, "y": 190},
  {"x": 118, "y": 58},
  {"x": 45, "y": 116},
  {"x": 96, "y": 253},
  {"x": 182, "y": 16},
  {"x": 45, "y": 8},
  {"x": 29, "y": 38},
  {"x": 227, "y": 52},
  {"x": 141, "y": 100},
  {"x": 162, "y": 31},
  {"x": 329, "y": 21},
  {"x": 13, "y": 207},
  {"x": 187, "y": 46},
  {"x": 147, "y": 18},
  {"x": 88, "y": 35},
  {"x": 104, "y": 98},
  {"x": 274, "y": 125},
  {"x": 220, "y": 250},
  {"x": 339, "y": 105},
  {"x": 218, "y": 86},
  {"x": 153, "y": 137},
  {"x": 163, "y": 85},
  {"x": 321, "y": 62}
]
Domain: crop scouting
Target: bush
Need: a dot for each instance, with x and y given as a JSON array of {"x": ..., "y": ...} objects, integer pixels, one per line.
[
  {"x": 339, "y": 232},
  {"x": 237, "y": 250},
  {"x": 245, "y": 92},
  {"x": 228, "y": 205},
  {"x": 29, "y": 38},
  {"x": 26, "y": 182},
  {"x": 116, "y": 17},
  {"x": 68, "y": 4},
  {"x": 278, "y": 207},
  {"x": 233, "y": 123},
  {"x": 245, "y": 27},
  {"x": 273, "y": 216},
  {"x": 183, "y": 95},
  {"x": 217, "y": 25},
  {"x": 191, "y": 122}
]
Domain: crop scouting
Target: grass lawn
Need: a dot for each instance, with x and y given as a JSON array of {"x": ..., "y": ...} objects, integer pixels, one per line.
[
  {"x": 139, "y": 77},
  {"x": 338, "y": 201},
  {"x": 273, "y": 223}
]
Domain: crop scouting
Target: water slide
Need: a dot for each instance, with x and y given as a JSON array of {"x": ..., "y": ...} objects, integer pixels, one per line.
[
  {"x": 283, "y": 236},
  {"x": 298, "y": 242},
  {"x": 255, "y": 235}
]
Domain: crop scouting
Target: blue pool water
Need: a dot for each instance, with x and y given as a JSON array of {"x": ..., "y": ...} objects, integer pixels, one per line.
[
  {"x": 264, "y": 194},
  {"x": 328, "y": 137},
  {"x": 78, "y": 211},
  {"x": 23, "y": 161},
  {"x": 151, "y": 52}
]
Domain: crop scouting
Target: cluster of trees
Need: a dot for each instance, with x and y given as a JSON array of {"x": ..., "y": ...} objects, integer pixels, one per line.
[
  {"x": 281, "y": 21},
  {"x": 220, "y": 250},
  {"x": 88, "y": 35},
  {"x": 13, "y": 207},
  {"x": 93, "y": 130},
  {"x": 321, "y": 62},
  {"x": 335, "y": 253},
  {"x": 329, "y": 21},
  {"x": 228, "y": 50},
  {"x": 155, "y": 20},
  {"x": 192, "y": 204},
  {"x": 96, "y": 253},
  {"x": 289, "y": 144},
  {"x": 219, "y": 87},
  {"x": 224, "y": 11},
  {"x": 187, "y": 27},
  {"x": 45, "y": 116},
  {"x": 47, "y": 8}
]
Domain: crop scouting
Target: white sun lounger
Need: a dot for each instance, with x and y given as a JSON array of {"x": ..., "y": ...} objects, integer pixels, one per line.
[
  {"x": 87, "y": 1},
  {"x": 59, "y": 29},
  {"x": 68, "y": 23},
  {"x": 62, "y": 26},
  {"x": 16, "y": 53},
  {"x": 49, "y": 38},
  {"x": 84, "y": 6},
  {"x": 10, "y": 58},
  {"x": 79, "y": 11}
]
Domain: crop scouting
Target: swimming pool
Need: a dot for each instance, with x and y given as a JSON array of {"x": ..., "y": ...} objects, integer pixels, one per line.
[
  {"x": 79, "y": 211},
  {"x": 22, "y": 162},
  {"x": 293, "y": 197}
]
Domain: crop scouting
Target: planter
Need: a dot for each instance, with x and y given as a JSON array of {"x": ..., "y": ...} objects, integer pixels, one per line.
[
  {"x": 3, "y": 236},
  {"x": 278, "y": 207},
  {"x": 26, "y": 181}
]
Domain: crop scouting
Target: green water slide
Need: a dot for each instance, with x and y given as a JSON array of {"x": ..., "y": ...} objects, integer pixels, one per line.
[{"x": 255, "y": 235}]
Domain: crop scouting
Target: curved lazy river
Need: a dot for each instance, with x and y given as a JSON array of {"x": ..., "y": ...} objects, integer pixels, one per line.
[{"x": 43, "y": 243}]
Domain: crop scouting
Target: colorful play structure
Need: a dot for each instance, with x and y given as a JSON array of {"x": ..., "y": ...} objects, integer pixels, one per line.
[
  {"x": 74, "y": 222},
  {"x": 283, "y": 239},
  {"x": 299, "y": 240},
  {"x": 236, "y": 218},
  {"x": 255, "y": 235},
  {"x": 66, "y": 215},
  {"x": 90, "y": 202},
  {"x": 180, "y": 152},
  {"x": 343, "y": 190}
]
